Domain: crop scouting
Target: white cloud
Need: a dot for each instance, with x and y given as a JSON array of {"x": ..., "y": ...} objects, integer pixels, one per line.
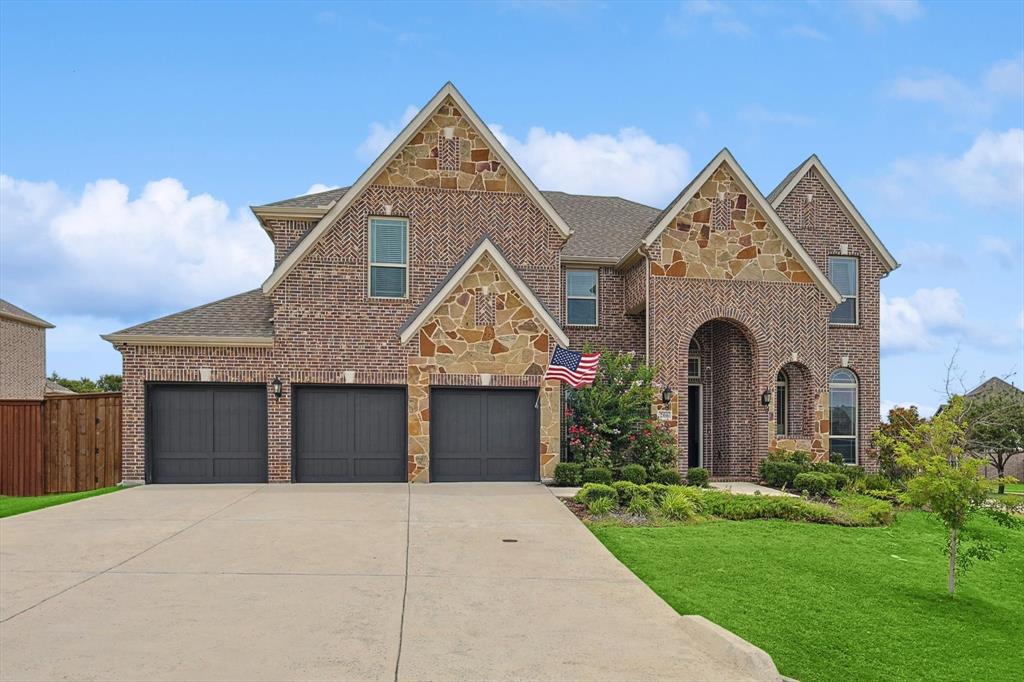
[
  {"x": 318, "y": 187},
  {"x": 927, "y": 319},
  {"x": 720, "y": 15},
  {"x": 382, "y": 134},
  {"x": 630, "y": 164},
  {"x": 803, "y": 31},
  {"x": 931, "y": 256},
  {"x": 1002, "y": 82},
  {"x": 1006, "y": 252},
  {"x": 872, "y": 13},
  {"x": 757, "y": 114},
  {"x": 106, "y": 253},
  {"x": 990, "y": 172}
]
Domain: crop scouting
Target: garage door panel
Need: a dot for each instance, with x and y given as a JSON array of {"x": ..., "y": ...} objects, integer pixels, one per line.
[
  {"x": 348, "y": 434},
  {"x": 207, "y": 434},
  {"x": 483, "y": 435}
]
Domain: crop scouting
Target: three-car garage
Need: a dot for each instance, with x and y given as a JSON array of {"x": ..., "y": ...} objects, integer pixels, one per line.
[{"x": 217, "y": 433}]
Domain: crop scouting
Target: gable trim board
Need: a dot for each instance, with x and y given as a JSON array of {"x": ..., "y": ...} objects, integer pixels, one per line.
[
  {"x": 726, "y": 157},
  {"x": 29, "y": 319},
  {"x": 448, "y": 90},
  {"x": 459, "y": 272},
  {"x": 793, "y": 179}
]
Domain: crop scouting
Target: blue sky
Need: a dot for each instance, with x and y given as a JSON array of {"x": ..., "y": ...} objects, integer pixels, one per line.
[{"x": 134, "y": 136}]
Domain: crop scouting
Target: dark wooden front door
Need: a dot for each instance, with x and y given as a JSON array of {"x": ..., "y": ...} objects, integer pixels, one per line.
[{"x": 693, "y": 426}]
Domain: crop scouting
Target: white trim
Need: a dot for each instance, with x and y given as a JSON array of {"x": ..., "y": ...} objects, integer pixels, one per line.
[
  {"x": 784, "y": 385},
  {"x": 851, "y": 211},
  {"x": 855, "y": 297},
  {"x": 596, "y": 298},
  {"x": 370, "y": 265},
  {"x": 43, "y": 324},
  {"x": 356, "y": 190},
  {"x": 159, "y": 340},
  {"x": 291, "y": 212},
  {"x": 726, "y": 157},
  {"x": 485, "y": 247},
  {"x": 693, "y": 377}
]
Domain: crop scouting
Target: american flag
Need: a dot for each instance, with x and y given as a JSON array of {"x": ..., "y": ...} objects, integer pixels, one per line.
[{"x": 575, "y": 369}]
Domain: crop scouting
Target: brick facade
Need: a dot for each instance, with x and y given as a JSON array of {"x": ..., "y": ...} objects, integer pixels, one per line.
[
  {"x": 22, "y": 360},
  {"x": 720, "y": 274}
]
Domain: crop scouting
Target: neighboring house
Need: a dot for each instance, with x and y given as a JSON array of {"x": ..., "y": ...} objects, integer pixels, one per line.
[
  {"x": 22, "y": 354},
  {"x": 53, "y": 388},
  {"x": 409, "y": 319},
  {"x": 987, "y": 389}
]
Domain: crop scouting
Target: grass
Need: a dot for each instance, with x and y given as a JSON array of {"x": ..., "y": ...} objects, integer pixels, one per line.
[
  {"x": 10, "y": 506},
  {"x": 829, "y": 602},
  {"x": 1014, "y": 488}
]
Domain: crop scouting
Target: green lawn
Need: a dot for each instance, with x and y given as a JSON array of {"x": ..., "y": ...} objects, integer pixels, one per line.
[
  {"x": 832, "y": 603},
  {"x": 1014, "y": 488},
  {"x": 9, "y": 506}
]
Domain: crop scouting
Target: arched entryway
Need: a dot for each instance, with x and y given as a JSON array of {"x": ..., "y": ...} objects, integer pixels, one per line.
[{"x": 719, "y": 415}]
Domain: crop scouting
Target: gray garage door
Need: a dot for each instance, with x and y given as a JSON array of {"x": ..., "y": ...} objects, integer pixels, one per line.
[
  {"x": 483, "y": 435},
  {"x": 349, "y": 434},
  {"x": 208, "y": 434}
]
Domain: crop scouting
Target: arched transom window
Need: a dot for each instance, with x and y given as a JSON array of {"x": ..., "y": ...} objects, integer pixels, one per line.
[
  {"x": 842, "y": 400},
  {"x": 781, "y": 404},
  {"x": 693, "y": 364}
]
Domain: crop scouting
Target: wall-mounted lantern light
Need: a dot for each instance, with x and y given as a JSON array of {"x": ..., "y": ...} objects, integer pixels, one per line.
[
  {"x": 275, "y": 386},
  {"x": 766, "y": 398},
  {"x": 666, "y": 395}
]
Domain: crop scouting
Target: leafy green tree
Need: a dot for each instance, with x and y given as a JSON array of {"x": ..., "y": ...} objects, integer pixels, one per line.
[
  {"x": 947, "y": 482},
  {"x": 107, "y": 383},
  {"x": 900, "y": 419},
  {"x": 995, "y": 430},
  {"x": 610, "y": 422}
]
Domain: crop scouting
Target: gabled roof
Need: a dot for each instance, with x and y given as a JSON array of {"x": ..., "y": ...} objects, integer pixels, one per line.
[
  {"x": 448, "y": 90},
  {"x": 53, "y": 388},
  {"x": 790, "y": 182},
  {"x": 484, "y": 246},
  {"x": 12, "y": 312},
  {"x": 726, "y": 157},
  {"x": 993, "y": 385},
  {"x": 604, "y": 228},
  {"x": 240, "y": 320}
]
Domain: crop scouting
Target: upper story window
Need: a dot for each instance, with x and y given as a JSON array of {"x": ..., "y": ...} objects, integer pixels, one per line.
[
  {"x": 389, "y": 257},
  {"x": 581, "y": 297},
  {"x": 842, "y": 272}
]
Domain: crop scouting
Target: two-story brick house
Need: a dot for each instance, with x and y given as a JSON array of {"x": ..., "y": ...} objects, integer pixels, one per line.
[{"x": 405, "y": 329}]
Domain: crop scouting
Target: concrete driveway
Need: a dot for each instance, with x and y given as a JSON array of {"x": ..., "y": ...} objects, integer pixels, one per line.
[{"x": 340, "y": 582}]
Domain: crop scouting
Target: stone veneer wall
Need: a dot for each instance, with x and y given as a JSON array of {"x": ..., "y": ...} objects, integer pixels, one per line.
[
  {"x": 740, "y": 245},
  {"x": 22, "y": 361},
  {"x": 461, "y": 343},
  {"x": 462, "y": 162},
  {"x": 616, "y": 330},
  {"x": 821, "y": 227}
]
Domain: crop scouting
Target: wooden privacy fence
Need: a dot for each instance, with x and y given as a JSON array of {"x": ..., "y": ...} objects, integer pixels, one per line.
[{"x": 62, "y": 444}]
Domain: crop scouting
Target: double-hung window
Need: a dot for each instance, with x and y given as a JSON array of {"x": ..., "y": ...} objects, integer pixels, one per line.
[
  {"x": 389, "y": 257},
  {"x": 581, "y": 297},
  {"x": 842, "y": 272}
]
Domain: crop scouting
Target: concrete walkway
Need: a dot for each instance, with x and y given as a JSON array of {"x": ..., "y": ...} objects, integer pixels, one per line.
[{"x": 340, "y": 582}]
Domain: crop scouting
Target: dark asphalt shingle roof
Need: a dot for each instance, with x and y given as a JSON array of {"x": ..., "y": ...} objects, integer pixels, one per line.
[
  {"x": 8, "y": 309},
  {"x": 246, "y": 314},
  {"x": 316, "y": 200}
]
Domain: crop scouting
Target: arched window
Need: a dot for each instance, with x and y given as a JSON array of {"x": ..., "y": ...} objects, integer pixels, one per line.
[
  {"x": 781, "y": 404},
  {"x": 842, "y": 401},
  {"x": 693, "y": 365}
]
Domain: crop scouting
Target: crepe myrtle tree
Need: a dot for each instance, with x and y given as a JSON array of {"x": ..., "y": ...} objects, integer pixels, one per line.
[{"x": 947, "y": 482}]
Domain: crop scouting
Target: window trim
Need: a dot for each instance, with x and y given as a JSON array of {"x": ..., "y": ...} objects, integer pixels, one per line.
[
  {"x": 690, "y": 357},
  {"x": 855, "y": 437},
  {"x": 782, "y": 383},
  {"x": 370, "y": 265},
  {"x": 596, "y": 298},
  {"x": 856, "y": 284}
]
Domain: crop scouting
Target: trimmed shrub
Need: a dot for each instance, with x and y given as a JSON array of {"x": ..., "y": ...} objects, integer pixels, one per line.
[
  {"x": 836, "y": 458},
  {"x": 634, "y": 473},
  {"x": 657, "y": 491},
  {"x": 627, "y": 491},
  {"x": 592, "y": 491},
  {"x": 861, "y": 510},
  {"x": 666, "y": 476},
  {"x": 697, "y": 477},
  {"x": 839, "y": 481},
  {"x": 597, "y": 475},
  {"x": 814, "y": 483},
  {"x": 779, "y": 474},
  {"x": 568, "y": 474},
  {"x": 641, "y": 505},
  {"x": 874, "y": 482},
  {"x": 600, "y": 506},
  {"x": 677, "y": 506}
]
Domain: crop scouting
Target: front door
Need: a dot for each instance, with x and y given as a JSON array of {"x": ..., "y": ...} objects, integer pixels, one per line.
[{"x": 693, "y": 426}]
